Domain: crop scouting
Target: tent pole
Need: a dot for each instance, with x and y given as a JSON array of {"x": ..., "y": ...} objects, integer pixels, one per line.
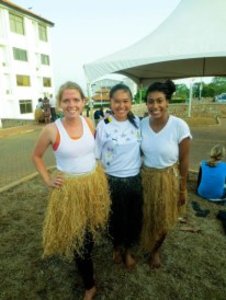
[
  {"x": 90, "y": 100},
  {"x": 200, "y": 90},
  {"x": 140, "y": 92},
  {"x": 190, "y": 98}
]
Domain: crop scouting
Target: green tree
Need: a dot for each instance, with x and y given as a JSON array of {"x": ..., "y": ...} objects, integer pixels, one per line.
[
  {"x": 137, "y": 95},
  {"x": 196, "y": 89},
  {"x": 219, "y": 85},
  {"x": 208, "y": 90},
  {"x": 181, "y": 94}
]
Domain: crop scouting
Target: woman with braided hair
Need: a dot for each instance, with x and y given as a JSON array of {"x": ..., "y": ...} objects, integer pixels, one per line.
[{"x": 118, "y": 149}]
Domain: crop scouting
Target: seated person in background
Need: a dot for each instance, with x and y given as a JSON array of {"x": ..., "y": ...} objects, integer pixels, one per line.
[{"x": 212, "y": 176}]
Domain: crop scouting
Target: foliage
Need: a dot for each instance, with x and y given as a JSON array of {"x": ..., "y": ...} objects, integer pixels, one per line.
[
  {"x": 215, "y": 87},
  {"x": 182, "y": 91},
  {"x": 196, "y": 89},
  {"x": 177, "y": 100},
  {"x": 208, "y": 90},
  {"x": 180, "y": 95},
  {"x": 142, "y": 92},
  {"x": 199, "y": 89},
  {"x": 219, "y": 85}
]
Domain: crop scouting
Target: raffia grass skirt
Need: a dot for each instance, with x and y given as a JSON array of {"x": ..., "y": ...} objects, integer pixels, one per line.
[
  {"x": 160, "y": 209},
  {"x": 81, "y": 205},
  {"x": 39, "y": 115}
]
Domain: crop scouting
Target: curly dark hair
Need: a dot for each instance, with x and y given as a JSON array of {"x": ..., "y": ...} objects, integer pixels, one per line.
[{"x": 168, "y": 88}]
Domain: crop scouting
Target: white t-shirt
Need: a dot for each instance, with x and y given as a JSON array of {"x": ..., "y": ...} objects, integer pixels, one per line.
[
  {"x": 161, "y": 149},
  {"x": 52, "y": 102},
  {"x": 118, "y": 147}
]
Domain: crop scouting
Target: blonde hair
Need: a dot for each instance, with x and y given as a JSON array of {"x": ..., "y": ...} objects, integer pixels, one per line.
[
  {"x": 69, "y": 85},
  {"x": 216, "y": 154}
]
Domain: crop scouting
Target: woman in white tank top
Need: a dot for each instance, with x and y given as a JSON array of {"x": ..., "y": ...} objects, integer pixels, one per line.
[{"x": 75, "y": 212}]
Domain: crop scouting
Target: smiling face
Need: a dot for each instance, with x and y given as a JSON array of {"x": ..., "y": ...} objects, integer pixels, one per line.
[
  {"x": 72, "y": 103},
  {"x": 157, "y": 105},
  {"x": 121, "y": 104}
]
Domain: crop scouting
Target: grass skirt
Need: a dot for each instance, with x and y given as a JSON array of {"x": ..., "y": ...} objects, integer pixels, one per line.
[
  {"x": 160, "y": 209},
  {"x": 81, "y": 205},
  {"x": 39, "y": 115}
]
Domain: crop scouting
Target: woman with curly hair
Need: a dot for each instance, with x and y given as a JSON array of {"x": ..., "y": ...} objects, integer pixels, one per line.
[{"x": 165, "y": 146}]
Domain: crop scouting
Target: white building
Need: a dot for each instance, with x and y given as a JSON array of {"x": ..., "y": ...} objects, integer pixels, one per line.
[{"x": 25, "y": 61}]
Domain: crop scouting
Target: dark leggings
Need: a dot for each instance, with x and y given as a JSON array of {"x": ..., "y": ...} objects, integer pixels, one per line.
[
  {"x": 85, "y": 264},
  {"x": 126, "y": 210}
]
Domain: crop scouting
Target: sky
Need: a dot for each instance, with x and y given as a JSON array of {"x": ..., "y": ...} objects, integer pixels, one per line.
[{"x": 86, "y": 30}]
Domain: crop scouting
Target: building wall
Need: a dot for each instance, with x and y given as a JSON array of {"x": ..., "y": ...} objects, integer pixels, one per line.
[{"x": 10, "y": 92}]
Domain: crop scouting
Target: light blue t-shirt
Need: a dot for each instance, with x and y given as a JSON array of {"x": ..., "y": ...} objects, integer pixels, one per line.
[{"x": 212, "y": 181}]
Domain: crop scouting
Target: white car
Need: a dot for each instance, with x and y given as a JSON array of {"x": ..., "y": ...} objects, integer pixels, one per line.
[{"x": 221, "y": 98}]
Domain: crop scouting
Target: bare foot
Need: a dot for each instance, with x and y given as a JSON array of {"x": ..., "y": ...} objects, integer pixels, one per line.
[
  {"x": 130, "y": 261},
  {"x": 90, "y": 294},
  {"x": 155, "y": 261},
  {"x": 117, "y": 256}
]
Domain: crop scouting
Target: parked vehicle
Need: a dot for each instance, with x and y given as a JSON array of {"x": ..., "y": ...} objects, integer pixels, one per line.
[{"x": 220, "y": 98}]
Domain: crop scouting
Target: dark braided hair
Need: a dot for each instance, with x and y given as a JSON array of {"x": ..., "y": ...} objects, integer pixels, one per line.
[
  {"x": 125, "y": 88},
  {"x": 167, "y": 88}
]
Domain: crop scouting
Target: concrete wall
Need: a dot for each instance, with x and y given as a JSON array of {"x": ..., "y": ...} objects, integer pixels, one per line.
[
  {"x": 6, "y": 123},
  {"x": 181, "y": 110}
]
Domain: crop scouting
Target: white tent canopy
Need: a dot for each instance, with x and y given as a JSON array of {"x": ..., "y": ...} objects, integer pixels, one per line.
[{"x": 190, "y": 42}]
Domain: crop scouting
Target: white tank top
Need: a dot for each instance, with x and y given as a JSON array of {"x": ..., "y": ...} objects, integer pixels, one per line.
[{"x": 75, "y": 156}]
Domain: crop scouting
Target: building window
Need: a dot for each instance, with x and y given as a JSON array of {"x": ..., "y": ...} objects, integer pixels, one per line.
[
  {"x": 23, "y": 80},
  {"x": 20, "y": 54},
  {"x": 45, "y": 59},
  {"x": 25, "y": 106},
  {"x": 47, "y": 82},
  {"x": 16, "y": 23},
  {"x": 42, "y": 30}
]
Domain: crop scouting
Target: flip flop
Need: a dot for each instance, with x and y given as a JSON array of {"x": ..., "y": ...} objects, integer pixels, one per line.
[{"x": 200, "y": 212}]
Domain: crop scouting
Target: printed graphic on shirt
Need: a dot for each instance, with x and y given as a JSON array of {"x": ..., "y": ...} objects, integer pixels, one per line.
[{"x": 116, "y": 139}]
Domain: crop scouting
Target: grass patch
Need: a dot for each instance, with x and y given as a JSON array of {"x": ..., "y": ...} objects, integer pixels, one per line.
[{"x": 194, "y": 265}]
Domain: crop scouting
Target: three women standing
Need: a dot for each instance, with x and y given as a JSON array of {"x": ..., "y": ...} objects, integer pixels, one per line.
[
  {"x": 79, "y": 202},
  {"x": 165, "y": 146}
]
